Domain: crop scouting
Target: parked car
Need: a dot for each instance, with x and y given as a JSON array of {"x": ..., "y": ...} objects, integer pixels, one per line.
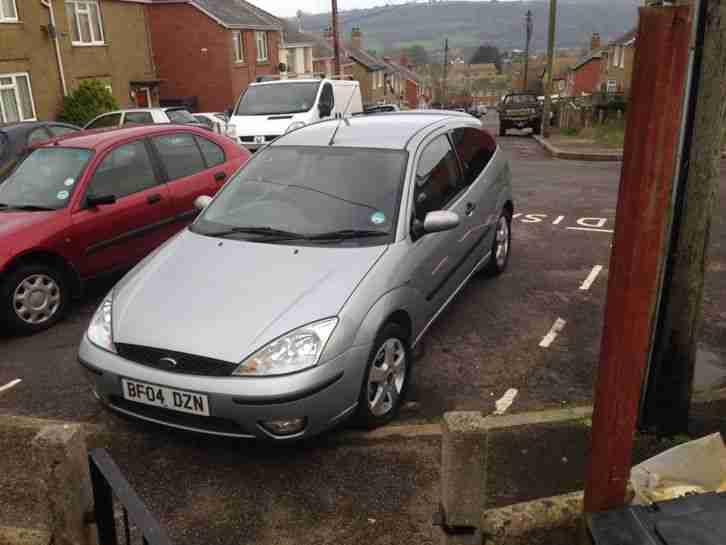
[
  {"x": 520, "y": 111},
  {"x": 91, "y": 203},
  {"x": 143, "y": 116},
  {"x": 296, "y": 299},
  {"x": 16, "y": 139},
  {"x": 214, "y": 121},
  {"x": 269, "y": 109}
]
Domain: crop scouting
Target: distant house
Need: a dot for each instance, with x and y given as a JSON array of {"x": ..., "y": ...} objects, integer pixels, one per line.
[
  {"x": 296, "y": 51},
  {"x": 211, "y": 50},
  {"x": 617, "y": 65},
  {"x": 90, "y": 39},
  {"x": 584, "y": 77},
  {"x": 413, "y": 94},
  {"x": 324, "y": 56}
]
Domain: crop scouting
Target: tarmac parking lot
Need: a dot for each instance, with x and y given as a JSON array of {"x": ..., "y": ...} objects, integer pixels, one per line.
[{"x": 535, "y": 329}]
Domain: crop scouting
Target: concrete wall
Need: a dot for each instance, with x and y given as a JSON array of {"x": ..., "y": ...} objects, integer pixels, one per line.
[{"x": 125, "y": 56}]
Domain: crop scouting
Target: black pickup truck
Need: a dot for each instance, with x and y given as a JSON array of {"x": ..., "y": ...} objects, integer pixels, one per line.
[{"x": 520, "y": 111}]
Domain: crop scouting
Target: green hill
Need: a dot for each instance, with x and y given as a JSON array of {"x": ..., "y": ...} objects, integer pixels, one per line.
[{"x": 468, "y": 24}]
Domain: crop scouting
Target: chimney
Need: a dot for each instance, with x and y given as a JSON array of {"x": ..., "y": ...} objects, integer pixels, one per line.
[
  {"x": 356, "y": 38},
  {"x": 595, "y": 42},
  {"x": 404, "y": 61}
]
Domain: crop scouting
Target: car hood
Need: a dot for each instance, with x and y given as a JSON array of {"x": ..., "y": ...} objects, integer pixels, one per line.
[
  {"x": 224, "y": 299},
  {"x": 258, "y": 125},
  {"x": 12, "y": 221}
]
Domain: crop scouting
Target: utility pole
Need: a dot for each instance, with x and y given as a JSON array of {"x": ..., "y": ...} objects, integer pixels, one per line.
[
  {"x": 667, "y": 399},
  {"x": 550, "y": 67},
  {"x": 529, "y": 27},
  {"x": 445, "y": 86},
  {"x": 336, "y": 39}
]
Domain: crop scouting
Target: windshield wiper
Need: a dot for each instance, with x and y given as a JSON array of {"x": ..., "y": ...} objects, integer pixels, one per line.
[
  {"x": 27, "y": 207},
  {"x": 264, "y": 231},
  {"x": 348, "y": 234}
]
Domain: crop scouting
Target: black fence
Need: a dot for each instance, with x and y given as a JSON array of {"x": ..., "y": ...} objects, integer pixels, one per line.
[{"x": 110, "y": 488}]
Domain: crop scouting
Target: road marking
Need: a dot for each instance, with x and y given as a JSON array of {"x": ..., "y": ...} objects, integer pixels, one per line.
[
  {"x": 558, "y": 220},
  {"x": 505, "y": 401},
  {"x": 591, "y": 229},
  {"x": 591, "y": 277},
  {"x": 597, "y": 223},
  {"x": 515, "y": 216},
  {"x": 558, "y": 326},
  {"x": 10, "y": 384}
]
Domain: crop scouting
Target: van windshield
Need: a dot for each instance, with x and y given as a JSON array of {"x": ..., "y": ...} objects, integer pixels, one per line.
[{"x": 278, "y": 98}]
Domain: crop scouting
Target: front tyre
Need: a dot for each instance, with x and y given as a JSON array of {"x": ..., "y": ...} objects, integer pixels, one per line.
[
  {"x": 385, "y": 379},
  {"x": 501, "y": 247},
  {"x": 33, "y": 298}
]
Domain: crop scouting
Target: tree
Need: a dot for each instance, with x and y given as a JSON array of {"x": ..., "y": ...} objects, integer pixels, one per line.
[
  {"x": 417, "y": 55},
  {"x": 487, "y": 54},
  {"x": 92, "y": 98}
]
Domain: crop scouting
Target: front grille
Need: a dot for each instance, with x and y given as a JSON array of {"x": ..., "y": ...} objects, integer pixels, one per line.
[
  {"x": 270, "y": 138},
  {"x": 206, "y": 423},
  {"x": 246, "y": 138},
  {"x": 251, "y": 139},
  {"x": 187, "y": 364}
]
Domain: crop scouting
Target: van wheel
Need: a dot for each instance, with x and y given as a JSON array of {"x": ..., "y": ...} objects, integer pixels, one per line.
[
  {"x": 33, "y": 298},
  {"x": 385, "y": 379}
]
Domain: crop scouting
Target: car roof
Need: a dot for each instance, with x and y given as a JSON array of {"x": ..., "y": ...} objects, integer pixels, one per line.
[
  {"x": 385, "y": 130},
  {"x": 100, "y": 139},
  {"x": 30, "y": 125}
]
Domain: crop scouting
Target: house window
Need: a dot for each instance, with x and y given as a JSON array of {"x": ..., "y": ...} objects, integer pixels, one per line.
[
  {"x": 239, "y": 46},
  {"x": 16, "y": 98},
  {"x": 612, "y": 86},
  {"x": 8, "y": 11},
  {"x": 84, "y": 20},
  {"x": 261, "y": 42}
]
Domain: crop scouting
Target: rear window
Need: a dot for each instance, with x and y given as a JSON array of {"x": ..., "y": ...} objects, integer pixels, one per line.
[{"x": 180, "y": 116}]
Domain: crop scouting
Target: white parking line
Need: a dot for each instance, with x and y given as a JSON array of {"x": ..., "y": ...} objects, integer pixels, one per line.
[
  {"x": 558, "y": 220},
  {"x": 591, "y": 277},
  {"x": 558, "y": 326},
  {"x": 10, "y": 384},
  {"x": 591, "y": 229}
]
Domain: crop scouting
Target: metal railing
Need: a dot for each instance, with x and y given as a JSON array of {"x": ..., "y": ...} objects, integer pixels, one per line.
[{"x": 109, "y": 484}]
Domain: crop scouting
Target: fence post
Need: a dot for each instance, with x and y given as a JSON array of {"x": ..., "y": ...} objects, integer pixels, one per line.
[{"x": 65, "y": 483}]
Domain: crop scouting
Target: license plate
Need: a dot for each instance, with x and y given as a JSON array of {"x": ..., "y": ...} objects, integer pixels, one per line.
[
  {"x": 259, "y": 139},
  {"x": 167, "y": 398}
]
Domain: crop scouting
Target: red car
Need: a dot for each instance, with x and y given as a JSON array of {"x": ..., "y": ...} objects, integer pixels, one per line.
[{"x": 96, "y": 202}]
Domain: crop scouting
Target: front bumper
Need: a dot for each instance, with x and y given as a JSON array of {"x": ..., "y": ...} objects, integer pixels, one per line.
[
  {"x": 324, "y": 395},
  {"x": 251, "y": 145}
]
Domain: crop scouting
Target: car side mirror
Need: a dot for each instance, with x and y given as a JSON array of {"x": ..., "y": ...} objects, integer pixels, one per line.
[
  {"x": 93, "y": 201},
  {"x": 440, "y": 220},
  {"x": 201, "y": 202}
]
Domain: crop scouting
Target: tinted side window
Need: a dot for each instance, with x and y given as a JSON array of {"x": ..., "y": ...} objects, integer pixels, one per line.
[
  {"x": 326, "y": 96},
  {"x": 213, "y": 154},
  {"x": 138, "y": 118},
  {"x": 124, "y": 171},
  {"x": 60, "y": 130},
  {"x": 111, "y": 120},
  {"x": 38, "y": 135},
  {"x": 475, "y": 149},
  {"x": 179, "y": 154},
  {"x": 437, "y": 178}
]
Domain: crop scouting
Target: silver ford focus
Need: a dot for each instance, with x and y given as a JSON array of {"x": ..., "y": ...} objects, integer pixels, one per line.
[{"x": 295, "y": 299}]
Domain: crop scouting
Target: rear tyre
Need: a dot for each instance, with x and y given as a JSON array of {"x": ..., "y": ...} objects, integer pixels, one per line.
[
  {"x": 385, "y": 379},
  {"x": 501, "y": 247},
  {"x": 33, "y": 298}
]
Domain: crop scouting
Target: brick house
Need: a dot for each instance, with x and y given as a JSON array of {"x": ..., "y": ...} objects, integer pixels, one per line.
[
  {"x": 411, "y": 90},
  {"x": 211, "y": 50},
  {"x": 296, "y": 52},
  {"x": 617, "y": 65},
  {"x": 584, "y": 77},
  {"x": 40, "y": 62}
]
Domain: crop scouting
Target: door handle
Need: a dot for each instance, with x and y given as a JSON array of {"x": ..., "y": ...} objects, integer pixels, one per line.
[
  {"x": 153, "y": 199},
  {"x": 470, "y": 207},
  {"x": 220, "y": 176}
]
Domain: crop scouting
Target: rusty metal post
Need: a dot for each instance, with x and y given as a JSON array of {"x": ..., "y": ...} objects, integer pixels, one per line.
[
  {"x": 649, "y": 165},
  {"x": 336, "y": 39}
]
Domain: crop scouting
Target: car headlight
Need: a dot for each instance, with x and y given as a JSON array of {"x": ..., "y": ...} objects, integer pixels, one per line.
[
  {"x": 231, "y": 130},
  {"x": 100, "y": 332},
  {"x": 295, "y": 351},
  {"x": 294, "y": 126}
]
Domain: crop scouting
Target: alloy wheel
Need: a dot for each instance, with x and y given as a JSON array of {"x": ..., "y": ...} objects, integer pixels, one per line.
[
  {"x": 501, "y": 251},
  {"x": 36, "y": 299},
  {"x": 386, "y": 377}
]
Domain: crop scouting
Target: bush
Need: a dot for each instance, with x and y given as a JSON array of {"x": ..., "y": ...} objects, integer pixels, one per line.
[
  {"x": 89, "y": 100},
  {"x": 569, "y": 131}
]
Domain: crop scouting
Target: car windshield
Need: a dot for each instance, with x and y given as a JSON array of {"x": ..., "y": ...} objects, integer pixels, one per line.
[
  {"x": 278, "y": 98},
  {"x": 180, "y": 116},
  {"x": 45, "y": 179},
  {"x": 312, "y": 192},
  {"x": 520, "y": 99}
]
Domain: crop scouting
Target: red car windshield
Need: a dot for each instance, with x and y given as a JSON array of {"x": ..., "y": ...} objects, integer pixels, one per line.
[{"x": 45, "y": 179}]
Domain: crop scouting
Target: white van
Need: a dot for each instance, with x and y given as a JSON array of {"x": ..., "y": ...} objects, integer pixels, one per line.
[{"x": 269, "y": 109}]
